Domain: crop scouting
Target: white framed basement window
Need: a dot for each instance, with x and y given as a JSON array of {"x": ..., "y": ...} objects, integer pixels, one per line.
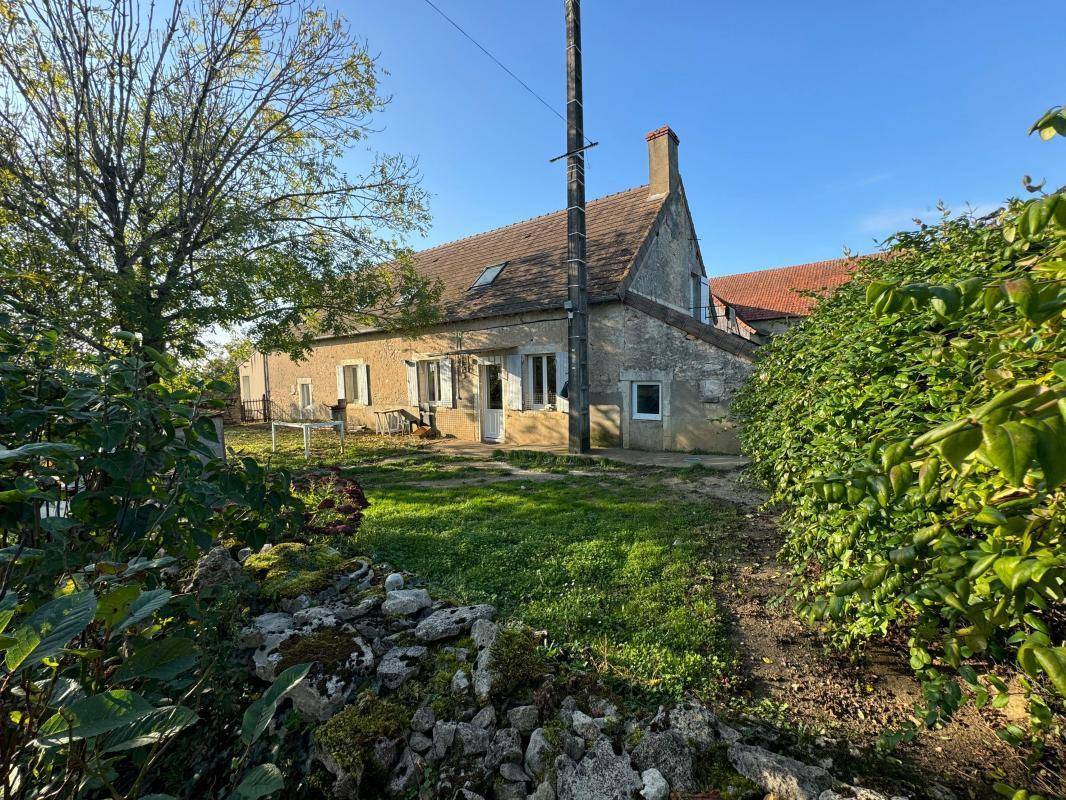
[
  {"x": 647, "y": 400},
  {"x": 542, "y": 388}
]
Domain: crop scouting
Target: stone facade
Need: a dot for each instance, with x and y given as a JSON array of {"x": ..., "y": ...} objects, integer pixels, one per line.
[{"x": 684, "y": 371}]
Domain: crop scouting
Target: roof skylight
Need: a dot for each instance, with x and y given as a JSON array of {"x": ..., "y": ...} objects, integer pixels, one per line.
[{"x": 488, "y": 276}]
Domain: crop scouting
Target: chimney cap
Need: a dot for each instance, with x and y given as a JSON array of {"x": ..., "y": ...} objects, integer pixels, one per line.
[{"x": 665, "y": 130}]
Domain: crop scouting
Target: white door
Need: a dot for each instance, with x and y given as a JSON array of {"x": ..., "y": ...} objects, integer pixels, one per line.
[{"x": 491, "y": 403}]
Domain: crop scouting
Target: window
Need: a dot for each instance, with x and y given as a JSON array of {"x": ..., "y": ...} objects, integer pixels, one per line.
[
  {"x": 246, "y": 387},
  {"x": 647, "y": 401},
  {"x": 701, "y": 298},
  {"x": 542, "y": 380},
  {"x": 353, "y": 392},
  {"x": 306, "y": 395},
  {"x": 430, "y": 381},
  {"x": 488, "y": 275}
]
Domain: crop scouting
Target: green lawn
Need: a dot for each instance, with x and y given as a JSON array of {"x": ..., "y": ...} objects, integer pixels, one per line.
[{"x": 617, "y": 568}]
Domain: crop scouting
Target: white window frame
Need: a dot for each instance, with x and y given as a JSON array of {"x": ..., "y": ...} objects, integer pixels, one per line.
[
  {"x": 356, "y": 379},
  {"x": 425, "y": 366},
  {"x": 300, "y": 383},
  {"x": 544, "y": 372},
  {"x": 633, "y": 399},
  {"x": 246, "y": 387}
]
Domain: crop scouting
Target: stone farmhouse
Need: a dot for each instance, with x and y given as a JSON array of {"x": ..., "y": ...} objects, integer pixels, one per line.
[{"x": 664, "y": 356}]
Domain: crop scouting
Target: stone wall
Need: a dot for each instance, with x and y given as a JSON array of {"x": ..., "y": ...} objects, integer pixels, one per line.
[
  {"x": 625, "y": 345},
  {"x": 385, "y": 354},
  {"x": 671, "y": 257}
]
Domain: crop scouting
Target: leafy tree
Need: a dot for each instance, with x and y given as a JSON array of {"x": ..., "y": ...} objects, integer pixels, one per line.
[
  {"x": 221, "y": 363},
  {"x": 108, "y": 486},
  {"x": 915, "y": 426},
  {"x": 165, "y": 170}
]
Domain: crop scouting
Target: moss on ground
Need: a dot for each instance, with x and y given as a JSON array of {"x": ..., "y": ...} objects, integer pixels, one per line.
[
  {"x": 349, "y": 736},
  {"x": 517, "y": 661},
  {"x": 330, "y": 647},
  {"x": 290, "y": 569},
  {"x": 715, "y": 774}
]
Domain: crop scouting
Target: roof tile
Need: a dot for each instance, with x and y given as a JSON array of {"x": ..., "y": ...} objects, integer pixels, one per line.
[
  {"x": 535, "y": 252},
  {"x": 782, "y": 291}
]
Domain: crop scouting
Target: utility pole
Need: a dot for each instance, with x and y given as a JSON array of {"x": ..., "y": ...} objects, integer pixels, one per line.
[{"x": 577, "y": 270}]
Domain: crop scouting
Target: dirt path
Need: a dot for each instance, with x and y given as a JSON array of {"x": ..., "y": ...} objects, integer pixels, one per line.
[{"x": 853, "y": 696}]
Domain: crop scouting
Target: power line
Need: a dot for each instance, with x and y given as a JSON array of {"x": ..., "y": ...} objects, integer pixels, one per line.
[{"x": 495, "y": 60}]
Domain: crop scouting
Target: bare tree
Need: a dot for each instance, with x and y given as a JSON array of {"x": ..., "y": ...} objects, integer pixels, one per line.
[{"x": 164, "y": 172}]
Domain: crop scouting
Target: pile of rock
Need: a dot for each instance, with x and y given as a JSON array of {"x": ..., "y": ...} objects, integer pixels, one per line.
[{"x": 459, "y": 738}]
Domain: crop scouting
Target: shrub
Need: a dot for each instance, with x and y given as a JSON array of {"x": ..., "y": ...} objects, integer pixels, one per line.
[
  {"x": 108, "y": 483},
  {"x": 915, "y": 425}
]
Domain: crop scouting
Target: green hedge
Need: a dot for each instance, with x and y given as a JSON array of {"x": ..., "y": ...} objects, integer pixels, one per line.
[{"x": 914, "y": 427}]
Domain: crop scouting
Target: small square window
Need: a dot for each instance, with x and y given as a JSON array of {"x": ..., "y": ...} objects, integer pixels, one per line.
[
  {"x": 647, "y": 401},
  {"x": 488, "y": 276}
]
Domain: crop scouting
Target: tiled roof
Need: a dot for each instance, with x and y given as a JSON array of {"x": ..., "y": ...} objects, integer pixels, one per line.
[
  {"x": 780, "y": 292},
  {"x": 535, "y": 252}
]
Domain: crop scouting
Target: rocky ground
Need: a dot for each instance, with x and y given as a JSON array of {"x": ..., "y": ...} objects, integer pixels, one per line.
[{"x": 412, "y": 696}]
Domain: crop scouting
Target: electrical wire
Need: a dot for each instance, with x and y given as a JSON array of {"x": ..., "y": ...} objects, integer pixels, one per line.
[{"x": 495, "y": 60}]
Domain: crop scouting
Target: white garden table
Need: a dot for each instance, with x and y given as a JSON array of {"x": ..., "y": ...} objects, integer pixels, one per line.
[{"x": 306, "y": 427}]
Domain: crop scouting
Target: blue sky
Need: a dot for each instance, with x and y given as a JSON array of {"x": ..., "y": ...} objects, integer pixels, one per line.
[{"x": 805, "y": 127}]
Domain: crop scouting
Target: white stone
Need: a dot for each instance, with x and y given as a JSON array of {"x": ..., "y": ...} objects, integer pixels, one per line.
[
  {"x": 585, "y": 726},
  {"x": 460, "y": 682},
  {"x": 655, "y": 785},
  {"x": 393, "y": 582},
  {"x": 404, "y": 602},
  {"x": 399, "y": 664},
  {"x": 601, "y": 775},
  {"x": 485, "y": 718},
  {"x": 450, "y": 622},
  {"x": 784, "y": 777},
  {"x": 668, "y": 752},
  {"x": 539, "y": 753}
]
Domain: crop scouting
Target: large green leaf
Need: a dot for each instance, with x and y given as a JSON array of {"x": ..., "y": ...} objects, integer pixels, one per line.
[
  {"x": 1011, "y": 447},
  {"x": 258, "y": 715},
  {"x": 162, "y": 723},
  {"x": 93, "y": 716},
  {"x": 958, "y": 446},
  {"x": 146, "y": 604},
  {"x": 259, "y": 782},
  {"x": 115, "y": 605},
  {"x": 1051, "y": 450},
  {"x": 39, "y": 450},
  {"x": 1017, "y": 571},
  {"x": 1053, "y": 661},
  {"x": 50, "y": 628},
  {"x": 162, "y": 660}
]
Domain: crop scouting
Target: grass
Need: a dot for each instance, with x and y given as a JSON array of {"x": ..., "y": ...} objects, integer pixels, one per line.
[{"x": 617, "y": 568}]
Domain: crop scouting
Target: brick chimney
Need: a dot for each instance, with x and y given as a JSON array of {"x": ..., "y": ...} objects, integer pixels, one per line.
[{"x": 663, "y": 176}]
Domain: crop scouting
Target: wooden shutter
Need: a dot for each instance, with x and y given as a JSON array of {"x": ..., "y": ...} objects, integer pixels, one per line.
[
  {"x": 364, "y": 383},
  {"x": 562, "y": 375},
  {"x": 514, "y": 382},
  {"x": 705, "y": 301},
  {"x": 447, "y": 391},
  {"x": 412, "y": 382},
  {"x": 340, "y": 384}
]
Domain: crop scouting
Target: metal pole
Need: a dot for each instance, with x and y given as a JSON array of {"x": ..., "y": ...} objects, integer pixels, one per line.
[{"x": 577, "y": 271}]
